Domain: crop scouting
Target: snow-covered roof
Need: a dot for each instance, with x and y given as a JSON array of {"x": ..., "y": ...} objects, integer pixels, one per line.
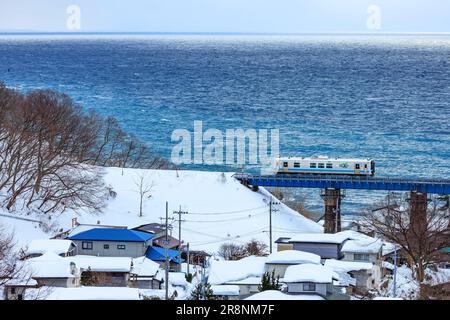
[
  {"x": 386, "y": 298},
  {"x": 102, "y": 264},
  {"x": 41, "y": 246},
  {"x": 177, "y": 279},
  {"x": 21, "y": 282},
  {"x": 143, "y": 266},
  {"x": 51, "y": 265},
  {"x": 292, "y": 257},
  {"x": 308, "y": 273},
  {"x": 112, "y": 234},
  {"x": 362, "y": 246},
  {"x": 247, "y": 281},
  {"x": 320, "y": 238},
  {"x": 225, "y": 290},
  {"x": 347, "y": 266},
  {"x": 278, "y": 295},
  {"x": 225, "y": 271},
  {"x": 94, "y": 293}
]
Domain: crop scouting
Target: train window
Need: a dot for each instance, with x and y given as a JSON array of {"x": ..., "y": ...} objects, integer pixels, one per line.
[
  {"x": 329, "y": 165},
  {"x": 285, "y": 164},
  {"x": 365, "y": 166},
  {"x": 321, "y": 165},
  {"x": 312, "y": 165},
  {"x": 357, "y": 166},
  {"x": 296, "y": 164}
]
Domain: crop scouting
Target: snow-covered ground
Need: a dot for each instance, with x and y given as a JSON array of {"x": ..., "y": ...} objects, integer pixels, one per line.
[{"x": 220, "y": 209}]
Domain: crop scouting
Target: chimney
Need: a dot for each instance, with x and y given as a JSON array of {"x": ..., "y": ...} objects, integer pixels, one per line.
[{"x": 74, "y": 222}]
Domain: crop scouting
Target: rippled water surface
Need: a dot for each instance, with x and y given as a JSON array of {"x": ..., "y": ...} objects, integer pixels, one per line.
[{"x": 385, "y": 97}]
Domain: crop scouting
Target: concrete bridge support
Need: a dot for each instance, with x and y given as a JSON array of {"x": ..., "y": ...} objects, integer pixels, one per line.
[
  {"x": 418, "y": 202},
  {"x": 332, "y": 218}
]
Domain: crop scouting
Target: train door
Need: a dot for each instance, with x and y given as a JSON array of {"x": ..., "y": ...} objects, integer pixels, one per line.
[
  {"x": 285, "y": 166},
  {"x": 357, "y": 168}
]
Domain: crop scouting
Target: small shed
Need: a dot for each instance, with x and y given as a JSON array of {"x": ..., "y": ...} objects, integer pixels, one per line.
[{"x": 143, "y": 274}]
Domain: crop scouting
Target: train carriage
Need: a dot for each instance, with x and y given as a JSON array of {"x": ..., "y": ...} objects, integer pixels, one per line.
[{"x": 325, "y": 165}]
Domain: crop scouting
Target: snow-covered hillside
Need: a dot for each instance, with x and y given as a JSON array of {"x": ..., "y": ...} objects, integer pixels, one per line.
[{"x": 219, "y": 208}]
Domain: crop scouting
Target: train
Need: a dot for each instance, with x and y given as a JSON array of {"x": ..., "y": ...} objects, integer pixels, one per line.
[{"x": 325, "y": 165}]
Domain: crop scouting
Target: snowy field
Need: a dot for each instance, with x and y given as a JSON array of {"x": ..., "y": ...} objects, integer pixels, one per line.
[{"x": 219, "y": 208}]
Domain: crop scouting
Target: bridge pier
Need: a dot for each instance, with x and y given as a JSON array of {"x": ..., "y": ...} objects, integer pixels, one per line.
[
  {"x": 332, "y": 218},
  {"x": 418, "y": 202}
]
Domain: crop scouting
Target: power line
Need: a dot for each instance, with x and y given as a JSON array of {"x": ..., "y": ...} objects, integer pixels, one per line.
[{"x": 227, "y": 212}]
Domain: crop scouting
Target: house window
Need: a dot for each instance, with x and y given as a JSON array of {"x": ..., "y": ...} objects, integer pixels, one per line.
[
  {"x": 13, "y": 290},
  {"x": 312, "y": 165},
  {"x": 329, "y": 166},
  {"x": 361, "y": 257},
  {"x": 321, "y": 165},
  {"x": 86, "y": 245},
  {"x": 120, "y": 247},
  {"x": 285, "y": 164},
  {"x": 296, "y": 164},
  {"x": 309, "y": 287},
  {"x": 106, "y": 246}
]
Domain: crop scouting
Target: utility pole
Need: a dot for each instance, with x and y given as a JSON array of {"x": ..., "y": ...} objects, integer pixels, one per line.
[
  {"x": 395, "y": 251},
  {"x": 166, "y": 251},
  {"x": 271, "y": 209},
  {"x": 188, "y": 258},
  {"x": 179, "y": 212}
]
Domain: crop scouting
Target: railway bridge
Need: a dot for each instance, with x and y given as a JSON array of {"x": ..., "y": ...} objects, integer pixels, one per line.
[{"x": 332, "y": 185}]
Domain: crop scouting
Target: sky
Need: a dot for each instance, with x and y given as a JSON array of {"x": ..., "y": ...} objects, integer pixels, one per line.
[{"x": 225, "y": 16}]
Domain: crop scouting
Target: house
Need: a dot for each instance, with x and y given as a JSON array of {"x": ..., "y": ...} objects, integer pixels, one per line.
[
  {"x": 278, "y": 262},
  {"x": 143, "y": 274},
  {"x": 160, "y": 241},
  {"x": 367, "y": 275},
  {"x": 196, "y": 257},
  {"x": 326, "y": 245},
  {"x": 311, "y": 279},
  {"x": 106, "y": 271},
  {"x": 245, "y": 273},
  {"x": 54, "y": 271},
  {"x": 15, "y": 289},
  {"x": 225, "y": 292},
  {"x": 37, "y": 247},
  {"x": 361, "y": 248},
  {"x": 158, "y": 255},
  {"x": 112, "y": 242}
]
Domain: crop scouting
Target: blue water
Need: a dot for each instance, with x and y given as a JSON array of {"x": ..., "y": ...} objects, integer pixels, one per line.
[{"x": 384, "y": 97}]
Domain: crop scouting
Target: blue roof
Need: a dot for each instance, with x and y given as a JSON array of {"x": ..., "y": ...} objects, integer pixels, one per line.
[
  {"x": 113, "y": 234},
  {"x": 159, "y": 254}
]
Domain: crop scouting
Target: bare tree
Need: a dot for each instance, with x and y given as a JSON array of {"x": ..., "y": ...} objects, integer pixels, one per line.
[
  {"x": 255, "y": 248},
  {"x": 421, "y": 229},
  {"x": 144, "y": 186},
  {"x": 8, "y": 258},
  {"x": 231, "y": 251}
]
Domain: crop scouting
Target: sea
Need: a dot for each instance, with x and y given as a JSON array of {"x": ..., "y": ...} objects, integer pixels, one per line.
[{"x": 385, "y": 97}]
